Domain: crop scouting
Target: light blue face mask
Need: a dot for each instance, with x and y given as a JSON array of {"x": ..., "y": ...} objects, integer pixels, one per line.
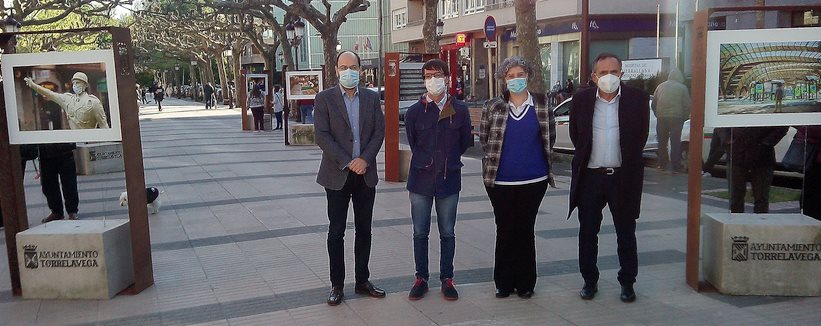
[
  {"x": 77, "y": 89},
  {"x": 517, "y": 85},
  {"x": 349, "y": 78}
]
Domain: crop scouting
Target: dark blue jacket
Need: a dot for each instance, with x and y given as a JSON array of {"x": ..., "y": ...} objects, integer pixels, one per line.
[{"x": 437, "y": 142}]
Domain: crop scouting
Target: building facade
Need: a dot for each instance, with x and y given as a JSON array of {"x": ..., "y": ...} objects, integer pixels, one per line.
[{"x": 632, "y": 29}]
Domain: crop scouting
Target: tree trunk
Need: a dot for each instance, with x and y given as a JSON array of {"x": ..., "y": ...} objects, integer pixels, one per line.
[
  {"x": 239, "y": 92},
  {"x": 759, "y": 15},
  {"x": 223, "y": 77},
  {"x": 429, "y": 28},
  {"x": 193, "y": 72},
  {"x": 329, "y": 41},
  {"x": 529, "y": 42}
]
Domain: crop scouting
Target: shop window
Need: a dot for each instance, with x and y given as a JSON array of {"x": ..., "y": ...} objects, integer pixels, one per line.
[
  {"x": 571, "y": 62},
  {"x": 544, "y": 54}
]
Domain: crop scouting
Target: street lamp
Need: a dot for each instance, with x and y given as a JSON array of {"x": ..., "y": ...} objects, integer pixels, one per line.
[
  {"x": 338, "y": 46},
  {"x": 9, "y": 42},
  {"x": 440, "y": 28},
  {"x": 11, "y": 25},
  {"x": 294, "y": 32}
]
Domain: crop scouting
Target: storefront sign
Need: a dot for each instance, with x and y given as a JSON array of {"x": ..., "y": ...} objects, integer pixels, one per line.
[
  {"x": 645, "y": 68},
  {"x": 602, "y": 25},
  {"x": 461, "y": 38}
]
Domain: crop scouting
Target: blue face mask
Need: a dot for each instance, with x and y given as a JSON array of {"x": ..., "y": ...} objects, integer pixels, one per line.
[
  {"x": 77, "y": 89},
  {"x": 349, "y": 78},
  {"x": 517, "y": 85}
]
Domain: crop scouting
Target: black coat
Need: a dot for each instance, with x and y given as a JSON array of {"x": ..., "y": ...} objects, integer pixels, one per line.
[
  {"x": 752, "y": 147},
  {"x": 634, "y": 124}
]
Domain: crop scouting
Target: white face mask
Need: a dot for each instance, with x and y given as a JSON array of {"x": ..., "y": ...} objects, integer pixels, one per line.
[
  {"x": 609, "y": 83},
  {"x": 435, "y": 86}
]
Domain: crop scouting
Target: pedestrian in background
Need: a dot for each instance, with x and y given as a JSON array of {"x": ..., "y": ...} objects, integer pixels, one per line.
[
  {"x": 279, "y": 104},
  {"x": 59, "y": 172},
  {"x": 208, "y": 90},
  {"x": 609, "y": 125},
  {"x": 256, "y": 101},
  {"x": 751, "y": 153},
  {"x": 350, "y": 129},
  {"x": 517, "y": 133},
  {"x": 671, "y": 104},
  {"x": 159, "y": 95},
  {"x": 439, "y": 132}
]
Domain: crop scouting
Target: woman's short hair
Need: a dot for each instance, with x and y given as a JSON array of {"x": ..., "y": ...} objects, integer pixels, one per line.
[{"x": 514, "y": 61}]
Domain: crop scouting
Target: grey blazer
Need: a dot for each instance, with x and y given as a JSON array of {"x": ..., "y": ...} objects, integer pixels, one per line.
[{"x": 332, "y": 131}]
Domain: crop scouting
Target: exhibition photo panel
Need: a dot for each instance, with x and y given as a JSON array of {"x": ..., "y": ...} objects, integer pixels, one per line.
[
  {"x": 763, "y": 77},
  {"x": 59, "y": 97},
  {"x": 303, "y": 85}
]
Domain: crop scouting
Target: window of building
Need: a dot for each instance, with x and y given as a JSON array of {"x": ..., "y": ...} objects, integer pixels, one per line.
[
  {"x": 449, "y": 8},
  {"x": 400, "y": 18},
  {"x": 474, "y": 6}
]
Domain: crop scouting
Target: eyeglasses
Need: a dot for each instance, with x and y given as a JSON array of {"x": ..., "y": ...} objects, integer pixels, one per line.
[
  {"x": 436, "y": 75},
  {"x": 344, "y": 67}
]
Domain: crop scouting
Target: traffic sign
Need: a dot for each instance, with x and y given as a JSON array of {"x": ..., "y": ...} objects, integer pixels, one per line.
[
  {"x": 490, "y": 28},
  {"x": 491, "y": 45}
]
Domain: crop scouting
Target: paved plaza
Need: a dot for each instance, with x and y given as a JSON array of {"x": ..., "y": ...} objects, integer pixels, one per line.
[{"x": 240, "y": 240}]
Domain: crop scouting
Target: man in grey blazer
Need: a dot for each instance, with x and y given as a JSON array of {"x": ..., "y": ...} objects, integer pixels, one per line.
[{"x": 349, "y": 127}]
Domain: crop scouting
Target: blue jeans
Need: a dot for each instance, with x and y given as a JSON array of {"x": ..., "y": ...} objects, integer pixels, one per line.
[
  {"x": 446, "y": 220},
  {"x": 307, "y": 112}
]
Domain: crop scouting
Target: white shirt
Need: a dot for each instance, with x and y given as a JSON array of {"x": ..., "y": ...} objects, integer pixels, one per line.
[
  {"x": 518, "y": 112},
  {"x": 439, "y": 104},
  {"x": 606, "y": 152}
]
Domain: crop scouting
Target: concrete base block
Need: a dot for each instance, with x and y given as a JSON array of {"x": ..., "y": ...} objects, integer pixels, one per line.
[
  {"x": 762, "y": 254},
  {"x": 266, "y": 122},
  {"x": 80, "y": 259},
  {"x": 301, "y": 134},
  {"x": 94, "y": 158}
]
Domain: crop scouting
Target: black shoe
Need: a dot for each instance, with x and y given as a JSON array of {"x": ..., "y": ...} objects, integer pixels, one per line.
[
  {"x": 588, "y": 291},
  {"x": 525, "y": 294},
  {"x": 627, "y": 293},
  {"x": 449, "y": 289},
  {"x": 418, "y": 290},
  {"x": 335, "y": 298},
  {"x": 52, "y": 217},
  {"x": 369, "y": 289},
  {"x": 503, "y": 293}
]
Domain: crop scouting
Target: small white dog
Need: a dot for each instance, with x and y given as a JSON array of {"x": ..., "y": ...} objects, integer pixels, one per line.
[{"x": 152, "y": 196}]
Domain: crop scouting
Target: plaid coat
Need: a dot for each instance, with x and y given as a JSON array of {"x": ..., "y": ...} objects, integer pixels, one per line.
[{"x": 492, "y": 132}]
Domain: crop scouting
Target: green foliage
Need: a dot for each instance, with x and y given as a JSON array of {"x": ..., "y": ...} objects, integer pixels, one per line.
[
  {"x": 66, "y": 41},
  {"x": 145, "y": 78}
]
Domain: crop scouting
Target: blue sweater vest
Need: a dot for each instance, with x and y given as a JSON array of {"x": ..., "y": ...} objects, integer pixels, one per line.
[{"x": 522, "y": 156}]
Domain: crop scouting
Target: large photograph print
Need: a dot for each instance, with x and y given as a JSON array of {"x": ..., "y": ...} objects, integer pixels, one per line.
[
  {"x": 763, "y": 77},
  {"x": 61, "y": 97},
  {"x": 303, "y": 85}
]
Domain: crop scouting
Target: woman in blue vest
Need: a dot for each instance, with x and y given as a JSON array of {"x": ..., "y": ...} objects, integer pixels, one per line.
[{"x": 517, "y": 134}]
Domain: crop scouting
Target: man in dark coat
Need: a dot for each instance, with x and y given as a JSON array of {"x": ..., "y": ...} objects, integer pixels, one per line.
[
  {"x": 608, "y": 126},
  {"x": 752, "y": 157}
]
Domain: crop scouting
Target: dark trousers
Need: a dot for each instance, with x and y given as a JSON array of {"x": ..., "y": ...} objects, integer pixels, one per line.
[
  {"x": 56, "y": 173},
  {"x": 760, "y": 177},
  {"x": 159, "y": 105},
  {"x": 279, "y": 118},
  {"x": 515, "y": 209},
  {"x": 669, "y": 129},
  {"x": 595, "y": 191},
  {"x": 811, "y": 195},
  {"x": 362, "y": 196},
  {"x": 259, "y": 122}
]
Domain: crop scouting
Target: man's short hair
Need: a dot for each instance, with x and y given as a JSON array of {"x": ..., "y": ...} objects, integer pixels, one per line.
[
  {"x": 358, "y": 60},
  {"x": 605, "y": 55},
  {"x": 437, "y": 65}
]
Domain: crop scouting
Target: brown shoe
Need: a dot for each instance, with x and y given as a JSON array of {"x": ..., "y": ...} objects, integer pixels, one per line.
[
  {"x": 52, "y": 217},
  {"x": 73, "y": 216}
]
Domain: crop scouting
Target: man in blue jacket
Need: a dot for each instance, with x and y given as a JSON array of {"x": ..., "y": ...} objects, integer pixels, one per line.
[{"x": 439, "y": 132}]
